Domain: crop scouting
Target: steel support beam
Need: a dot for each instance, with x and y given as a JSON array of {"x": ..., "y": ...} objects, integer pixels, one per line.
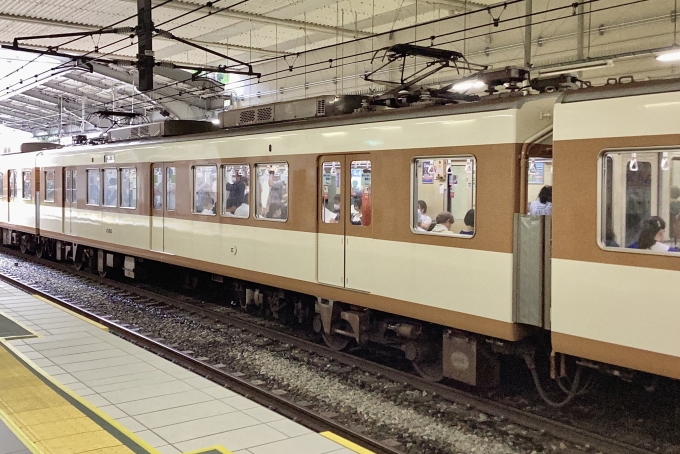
[
  {"x": 527, "y": 32},
  {"x": 145, "y": 57}
]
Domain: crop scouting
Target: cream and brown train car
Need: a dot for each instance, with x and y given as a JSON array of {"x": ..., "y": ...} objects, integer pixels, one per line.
[
  {"x": 369, "y": 270},
  {"x": 615, "y": 300}
]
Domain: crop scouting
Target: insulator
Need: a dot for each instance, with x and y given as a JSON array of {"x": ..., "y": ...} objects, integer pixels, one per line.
[
  {"x": 125, "y": 62},
  {"x": 164, "y": 34},
  {"x": 124, "y": 30}
]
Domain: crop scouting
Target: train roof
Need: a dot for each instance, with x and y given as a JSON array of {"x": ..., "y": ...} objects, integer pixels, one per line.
[{"x": 621, "y": 89}]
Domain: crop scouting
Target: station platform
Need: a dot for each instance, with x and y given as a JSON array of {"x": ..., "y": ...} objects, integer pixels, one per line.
[{"x": 68, "y": 386}]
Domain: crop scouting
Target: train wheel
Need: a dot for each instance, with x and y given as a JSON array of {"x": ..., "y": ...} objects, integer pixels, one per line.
[
  {"x": 338, "y": 342},
  {"x": 40, "y": 249},
  {"x": 23, "y": 244},
  {"x": 429, "y": 363},
  {"x": 82, "y": 259}
]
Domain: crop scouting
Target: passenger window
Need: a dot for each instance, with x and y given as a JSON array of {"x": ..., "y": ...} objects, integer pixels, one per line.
[
  {"x": 640, "y": 200},
  {"x": 360, "y": 208},
  {"x": 444, "y": 193},
  {"x": 205, "y": 189},
  {"x": 271, "y": 196},
  {"x": 12, "y": 184},
  {"x": 110, "y": 187},
  {"x": 26, "y": 185},
  {"x": 157, "y": 188},
  {"x": 236, "y": 180},
  {"x": 49, "y": 186},
  {"x": 171, "y": 176},
  {"x": 93, "y": 187},
  {"x": 74, "y": 192},
  {"x": 2, "y": 186},
  {"x": 128, "y": 188},
  {"x": 331, "y": 201}
]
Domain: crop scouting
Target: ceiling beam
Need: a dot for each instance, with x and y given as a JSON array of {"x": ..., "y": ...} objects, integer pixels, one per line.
[
  {"x": 258, "y": 18},
  {"x": 90, "y": 28}
]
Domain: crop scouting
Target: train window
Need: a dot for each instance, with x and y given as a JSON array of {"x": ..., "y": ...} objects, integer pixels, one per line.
[
  {"x": 49, "y": 185},
  {"x": 171, "y": 176},
  {"x": 26, "y": 184},
  {"x": 444, "y": 193},
  {"x": 271, "y": 191},
  {"x": 331, "y": 182},
  {"x": 74, "y": 192},
  {"x": 128, "y": 188},
  {"x": 93, "y": 187},
  {"x": 157, "y": 188},
  {"x": 110, "y": 187},
  {"x": 205, "y": 189},
  {"x": 2, "y": 187},
  {"x": 640, "y": 200},
  {"x": 236, "y": 180},
  {"x": 360, "y": 207},
  {"x": 12, "y": 184}
]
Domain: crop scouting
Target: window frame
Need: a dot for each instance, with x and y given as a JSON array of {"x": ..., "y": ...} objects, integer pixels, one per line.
[
  {"x": 23, "y": 182},
  {"x": 54, "y": 186},
  {"x": 120, "y": 188},
  {"x": 87, "y": 187},
  {"x": 193, "y": 189},
  {"x": 414, "y": 197},
  {"x": 601, "y": 195},
  {"x": 255, "y": 216},
  {"x": 222, "y": 185}
]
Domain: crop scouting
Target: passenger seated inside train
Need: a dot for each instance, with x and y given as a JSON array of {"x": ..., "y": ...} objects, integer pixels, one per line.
[
  {"x": 240, "y": 211},
  {"x": 424, "y": 221},
  {"x": 652, "y": 236},
  {"x": 444, "y": 221},
  {"x": 274, "y": 211},
  {"x": 542, "y": 206},
  {"x": 356, "y": 215},
  {"x": 208, "y": 205},
  {"x": 674, "y": 214},
  {"x": 610, "y": 238},
  {"x": 469, "y": 220}
]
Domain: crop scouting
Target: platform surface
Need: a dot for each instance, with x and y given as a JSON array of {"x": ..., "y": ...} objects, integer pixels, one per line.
[{"x": 119, "y": 398}]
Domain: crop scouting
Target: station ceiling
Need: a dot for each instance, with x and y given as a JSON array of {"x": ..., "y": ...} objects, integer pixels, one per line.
[{"x": 301, "y": 48}]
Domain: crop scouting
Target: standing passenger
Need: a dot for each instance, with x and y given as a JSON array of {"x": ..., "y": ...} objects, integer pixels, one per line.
[
  {"x": 674, "y": 213},
  {"x": 542, "y": 206}
]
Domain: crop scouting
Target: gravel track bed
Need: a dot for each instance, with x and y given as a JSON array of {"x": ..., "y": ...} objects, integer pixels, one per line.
[{"x": 422, "y": 423}]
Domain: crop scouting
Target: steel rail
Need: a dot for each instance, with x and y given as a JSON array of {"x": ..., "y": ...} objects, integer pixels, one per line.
[{"x": 562, "y": 431}]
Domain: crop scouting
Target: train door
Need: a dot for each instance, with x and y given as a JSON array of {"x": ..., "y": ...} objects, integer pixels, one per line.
[
  {"x": 70, "y": 198},
  {"x": 331, "y": 226},
  {"x": 533, "y": 236},
  {"x": 162, "y": 202},
  {"x": 344, "y": 221}
]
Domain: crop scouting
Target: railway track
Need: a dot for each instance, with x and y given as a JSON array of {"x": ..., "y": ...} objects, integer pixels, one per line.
[{"x": 289, "y": 408}]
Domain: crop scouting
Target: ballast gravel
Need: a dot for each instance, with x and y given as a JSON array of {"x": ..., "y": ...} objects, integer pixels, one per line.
[{"x": 420, "y": 423}]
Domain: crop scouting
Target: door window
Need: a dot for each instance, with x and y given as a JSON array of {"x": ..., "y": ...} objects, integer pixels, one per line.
[
  {"x": 26, "y": 184},
  {"x": 12, "y": 184},
  {"x": 360, "y": 207},
  {"x": 331, "y": 182},
  {"x": 157, "y": 188},
  {"x": 171, "y": 175}
]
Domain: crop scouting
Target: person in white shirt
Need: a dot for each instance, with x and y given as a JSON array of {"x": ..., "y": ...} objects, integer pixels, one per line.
[
  {"x": 208, "y": 205},
  {"x": 653, "y": 234},
  {"x": 542, "y": 206},
  {"x": 444, "y": 222},
  {"x": 424, "y": 221},
  {"x": 243, "y": 211}
]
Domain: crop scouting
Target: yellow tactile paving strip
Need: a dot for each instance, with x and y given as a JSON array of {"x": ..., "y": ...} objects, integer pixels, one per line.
[{"x": 54, "y": 421}]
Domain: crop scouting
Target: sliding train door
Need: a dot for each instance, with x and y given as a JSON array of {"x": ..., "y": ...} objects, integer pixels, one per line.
[
  {"x": 162, "y": 201},
  {"x": 344, "y": 230},
  {"x": 70, "y": 199},
  {"x": 330, "y": 236}
]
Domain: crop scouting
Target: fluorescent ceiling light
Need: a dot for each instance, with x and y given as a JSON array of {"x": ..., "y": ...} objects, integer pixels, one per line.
[
  {"x": 672, "y": 55},
  {"x": 468, "y": 84},
  {"x": 576, "y": 67}
]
